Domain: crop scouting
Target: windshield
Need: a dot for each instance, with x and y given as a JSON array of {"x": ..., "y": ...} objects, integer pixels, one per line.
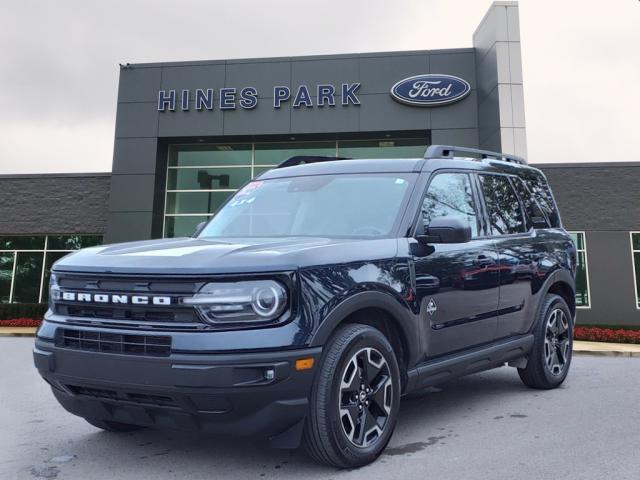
[{"x": 321, "y": 205}]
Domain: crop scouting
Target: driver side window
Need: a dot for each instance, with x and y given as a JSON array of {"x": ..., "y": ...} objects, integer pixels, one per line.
[{"x": 450, "y": 195}]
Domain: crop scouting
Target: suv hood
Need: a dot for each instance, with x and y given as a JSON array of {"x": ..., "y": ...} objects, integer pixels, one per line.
[{"x": 195, "y": 256}]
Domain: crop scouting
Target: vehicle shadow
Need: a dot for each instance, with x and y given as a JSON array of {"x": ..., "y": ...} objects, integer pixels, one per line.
[{"x": 424, "y": 415}]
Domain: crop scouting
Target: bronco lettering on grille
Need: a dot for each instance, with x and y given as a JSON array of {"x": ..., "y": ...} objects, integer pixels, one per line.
[{"x": 116, "y": 298}]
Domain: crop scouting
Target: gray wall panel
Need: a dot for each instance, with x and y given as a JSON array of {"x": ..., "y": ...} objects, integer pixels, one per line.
[
  {"x": 462, "y": 114},
  {"x": 264, "y": 119},
  {"x": 487, "y": 74},
  {"x": 132, "y": 193},
  {"x": 379, "y": 74},
  {"x": 326, "y": 119},
  {"x": 380, "y": 112},
  {"x": 461, "y": 137},
  {"x": 139, "y": 84},
  {"x": 497, "y": 46},
  {"x": 128, "y": 226},
  {"x": 459, "y": 64},
  {"x": 334, "y": 71},
  {"x": 199, "y": 76},
  {"x": 137, "y": 120},
  {"x": 135, "y": 155},
  {"x": 190, "y": 123},
  {"x": 263, "y": 76}
]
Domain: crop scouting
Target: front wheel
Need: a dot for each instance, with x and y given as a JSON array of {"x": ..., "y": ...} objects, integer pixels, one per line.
[
  {"x": 550, "y": 357},
  {"x": 354, "y": 400}
]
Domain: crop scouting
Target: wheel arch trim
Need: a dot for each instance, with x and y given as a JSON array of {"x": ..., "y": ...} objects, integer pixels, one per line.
[{"x": 401, "y": 316}]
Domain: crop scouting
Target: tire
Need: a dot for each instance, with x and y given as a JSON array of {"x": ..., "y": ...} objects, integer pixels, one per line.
[
  {"x": 553, "y": 335},
  {"x": 334, "y": 433},
  {"x": 110, "y": 426}
]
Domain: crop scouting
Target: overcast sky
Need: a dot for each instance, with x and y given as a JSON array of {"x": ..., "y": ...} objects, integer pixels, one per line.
[{"x": 59, "y": 63}]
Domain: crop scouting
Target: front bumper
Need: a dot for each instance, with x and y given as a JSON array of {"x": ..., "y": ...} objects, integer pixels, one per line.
[{"x": 230, "y": 393}]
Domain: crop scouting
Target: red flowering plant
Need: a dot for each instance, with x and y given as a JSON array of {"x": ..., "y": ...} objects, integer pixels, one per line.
[
  {"x": 598, "y": 334},
  {"x": 20, "y": 322}
]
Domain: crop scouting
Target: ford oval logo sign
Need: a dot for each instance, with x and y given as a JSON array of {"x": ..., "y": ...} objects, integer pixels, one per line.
[{"x": 430, "y": 90}]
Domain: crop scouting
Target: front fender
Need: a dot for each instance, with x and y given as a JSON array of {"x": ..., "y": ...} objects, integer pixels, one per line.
[{"x": 403, "y": 318}]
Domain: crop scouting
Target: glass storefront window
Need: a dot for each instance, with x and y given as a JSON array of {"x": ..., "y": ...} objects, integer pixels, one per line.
[
  {"x": 28, "y": 273},
  {"x": 208, "y": 178},
  {"x": 195, "y": 202},
  {"x": 6, "y": 273},
  {"x": 389, "y": 148},
  {"x": 20, "y": 242},
  {"x": 201, "y": 177},
  {"x": 275, "y": 153},
  {"x": 582, "y": 270},
  {"x": 257, "y": 171},
  {"x": 25, "y": 263},
  {"x": 72, "y": 242},
  {"x": 209, "y": 155},
  {"x": 635, "y": 252},
  {"x": 182, "y": 226},
  {"x": 50, "y": 259}
]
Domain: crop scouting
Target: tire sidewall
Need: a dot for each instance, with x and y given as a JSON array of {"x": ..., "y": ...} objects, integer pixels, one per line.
[
  {"x": 556, "y": 302},
  {"x": 353, "y": 454}
]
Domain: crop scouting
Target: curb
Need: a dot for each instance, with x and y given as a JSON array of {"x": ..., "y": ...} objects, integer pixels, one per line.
[
  {"x": 606, "y": 353},
  {"x": 18, "y": 331}
]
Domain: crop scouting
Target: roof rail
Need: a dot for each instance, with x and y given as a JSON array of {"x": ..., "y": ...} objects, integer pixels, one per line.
[
  {"x": 302, "y": 159},
  {"x": 447, "y": 151}
]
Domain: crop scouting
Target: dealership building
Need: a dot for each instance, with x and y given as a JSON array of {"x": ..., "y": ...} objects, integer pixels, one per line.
[{"x": 189, "y": 134}]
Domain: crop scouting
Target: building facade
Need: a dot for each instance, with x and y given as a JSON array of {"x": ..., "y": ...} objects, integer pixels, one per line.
[{"x": 188, "y": 134}]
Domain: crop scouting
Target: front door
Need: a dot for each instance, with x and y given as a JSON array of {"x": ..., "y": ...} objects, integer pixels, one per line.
[{"x": 456, "y": 284}]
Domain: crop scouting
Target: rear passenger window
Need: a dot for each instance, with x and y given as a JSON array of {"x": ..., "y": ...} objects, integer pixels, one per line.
[
  {"x": 503, "y": 207},
  {"x": 531, "y": 206},
  {"x": 540, "y": 189},
  {"x": 450, "y": 195}
]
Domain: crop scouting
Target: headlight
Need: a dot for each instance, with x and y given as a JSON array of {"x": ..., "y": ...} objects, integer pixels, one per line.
[
  {"x": 251, "y": 301},
  {"x": 54, "y": 291}
]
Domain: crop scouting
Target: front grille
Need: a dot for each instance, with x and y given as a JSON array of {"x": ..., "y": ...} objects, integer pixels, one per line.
[
  {"x": 105, "y": 342},
  {"x": 139, "y": 398},
  {"x": 173, "y": 316},
  {"x": 128, "y": 314}
]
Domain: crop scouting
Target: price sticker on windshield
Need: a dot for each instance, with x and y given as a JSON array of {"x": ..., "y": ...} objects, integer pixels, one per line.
[{"x": 249, "y": 189}]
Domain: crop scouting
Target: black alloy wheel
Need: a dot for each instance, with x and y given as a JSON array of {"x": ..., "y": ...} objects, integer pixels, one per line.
[{"x": 366, "y": 394}]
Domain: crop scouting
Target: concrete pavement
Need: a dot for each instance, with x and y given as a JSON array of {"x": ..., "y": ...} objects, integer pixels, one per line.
[{"x": 483, "y": 426}]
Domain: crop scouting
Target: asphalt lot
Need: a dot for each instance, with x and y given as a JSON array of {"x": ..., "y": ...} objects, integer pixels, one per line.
[{"x": 486, "y": 426}]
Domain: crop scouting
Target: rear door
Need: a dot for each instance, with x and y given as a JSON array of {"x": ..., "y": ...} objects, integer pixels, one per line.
[
  {"x": 456, "y": 284},
  {"x": 518, "y": 253}
]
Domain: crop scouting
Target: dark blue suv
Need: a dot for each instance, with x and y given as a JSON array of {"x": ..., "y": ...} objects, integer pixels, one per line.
[{"x": 315, "y": 298}]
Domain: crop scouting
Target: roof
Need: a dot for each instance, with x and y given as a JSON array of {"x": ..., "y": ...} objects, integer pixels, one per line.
[
  {"x": 364, "y": 165},
  {"x": 392, "y": 165}
]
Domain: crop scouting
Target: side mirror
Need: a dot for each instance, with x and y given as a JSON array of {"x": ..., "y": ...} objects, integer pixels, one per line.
[
  {"x": 199, "y": 228},
  {"x": 446, "y": 230}
]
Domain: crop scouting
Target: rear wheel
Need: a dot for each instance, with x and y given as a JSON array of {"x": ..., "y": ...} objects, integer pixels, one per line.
[
  {"x": 110, "y": 426},
  {"x": 550, "y": 357},
  {"x": 354, "y": 400}
]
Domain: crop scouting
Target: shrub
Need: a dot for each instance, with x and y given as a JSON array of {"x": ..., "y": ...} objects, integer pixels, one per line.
[
  {"x": 20, "y": 322},
  {"x": 10, "y": 311},
  {"x": 597, "y": 334}
]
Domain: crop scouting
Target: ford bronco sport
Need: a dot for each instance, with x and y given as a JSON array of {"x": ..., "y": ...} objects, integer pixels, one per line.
[{"x": 316, "y": 297}]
